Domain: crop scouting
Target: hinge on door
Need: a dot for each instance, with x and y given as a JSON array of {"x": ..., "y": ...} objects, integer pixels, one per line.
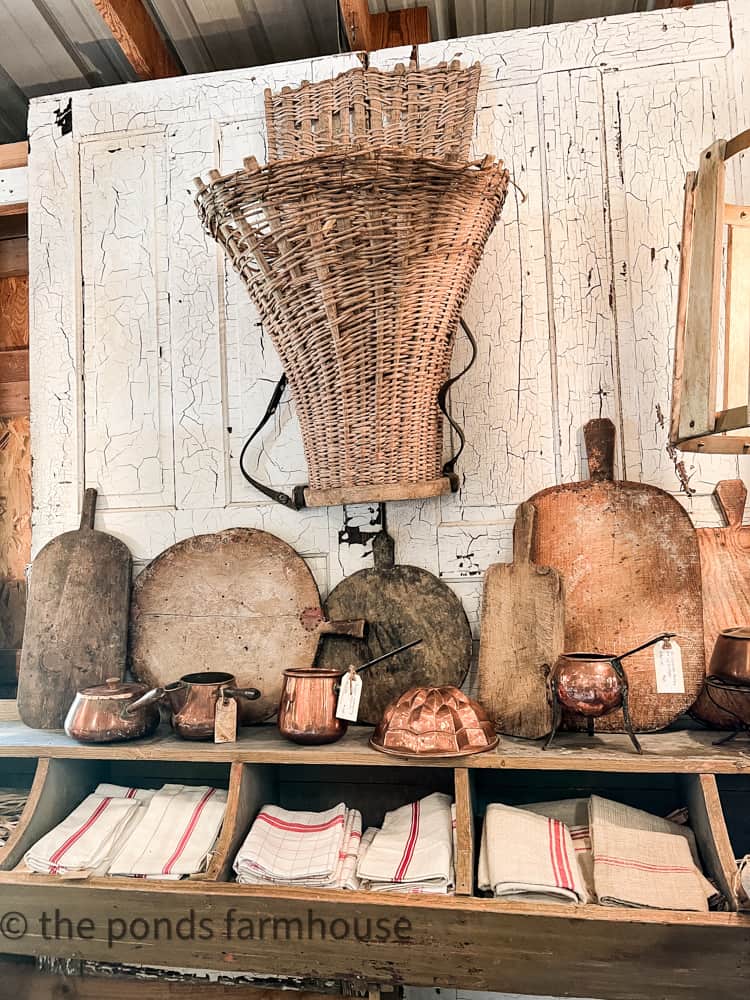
[{"x": 64, "y": 118}]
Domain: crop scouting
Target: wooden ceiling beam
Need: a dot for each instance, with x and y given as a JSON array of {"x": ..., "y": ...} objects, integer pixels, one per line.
[
  {"x": 135, "y": 32},
  {"x": 410, "y": 26}
]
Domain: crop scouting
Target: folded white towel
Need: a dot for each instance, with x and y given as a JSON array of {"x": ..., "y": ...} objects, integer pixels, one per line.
[
  {"x": 413, "y": 852},
  {"x": 528, "y": 857},
  {"x": 176, "y": 833},
  {"x": 288, "y": 846},
  {"x": 88, "y": 838},
  {"x": 574, "y": 813},
  {"x": 124, "y": 792}
]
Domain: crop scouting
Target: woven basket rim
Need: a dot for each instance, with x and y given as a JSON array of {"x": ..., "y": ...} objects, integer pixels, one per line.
[{"x": 400, "y": 69}]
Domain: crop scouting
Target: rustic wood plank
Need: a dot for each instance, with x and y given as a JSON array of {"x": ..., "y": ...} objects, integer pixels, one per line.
[
  {"x": 736, "y": 215},
  {"x": 686, "y": 253},
  {"x": 14, "y": 257},
  {"x": 14, "y": 399},
  {"x": 250, "y": 787},
  {"x": 408, "y": 26},
  {"x": 14, "y": 365},
  {"x": 706, "y": 818},
  {"x": 698, "y": 400},
  {"x": 523, "y": 633},
  {"x": 14, "y": 154},
  {"x": 679, "y": 752},
  {"x": 14, "y": 310},
  {"x": 139, "y": 38},
  {"x": 455, "y": 941},
  {"x": 737, "y": 319},
  {"x": 464, "y": 839}
]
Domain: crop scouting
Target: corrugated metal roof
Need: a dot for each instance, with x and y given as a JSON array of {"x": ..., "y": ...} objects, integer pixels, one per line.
[{"x": 52, "y": 46}]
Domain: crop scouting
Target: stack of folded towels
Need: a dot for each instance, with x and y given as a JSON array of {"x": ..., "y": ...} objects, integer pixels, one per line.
[
  {"x": 413, "y": 852},
  {"x": 286, "y": 847},
  {"x": 134, "y": 832},
  {"x": 589, "y": 850}
]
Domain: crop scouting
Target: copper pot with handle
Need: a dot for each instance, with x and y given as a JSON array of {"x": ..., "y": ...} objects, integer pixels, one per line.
[
  {"x": 730, "y": 659},
  {"x": 110, "y": 713},
  {"x": 193, "y": 700}
]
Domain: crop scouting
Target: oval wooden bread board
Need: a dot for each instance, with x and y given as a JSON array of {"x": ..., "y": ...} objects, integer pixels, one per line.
[
  {"x": 240, "y": 600},
  {"x": 628, "y": 554}
]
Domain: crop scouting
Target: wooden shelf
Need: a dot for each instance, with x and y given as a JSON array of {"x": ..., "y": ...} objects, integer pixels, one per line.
[{"x": 678, "y": 752}]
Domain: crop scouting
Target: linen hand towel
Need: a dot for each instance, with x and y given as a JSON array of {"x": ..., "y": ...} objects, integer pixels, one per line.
[
  {"x": 643, "y": 861},
  {"x": 528, "y": 857},
  {"x": 413, "y": 851},
  {"x": 175, "y": 835},
  {"x": 574, "y": 813},
  {"x": 88, "y": 838}
]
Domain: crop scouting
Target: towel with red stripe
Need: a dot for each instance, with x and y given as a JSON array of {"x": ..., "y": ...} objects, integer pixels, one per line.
[
  {"x": 643, "y": 860},
  {"x": 574, "y": 813},
  {"x": 413, "y": 851},
  {"x": 528, "y": 857},
  {"x": 87, "y": 840},
  {"x": 296, "y": 847},
  {"x": 176, "y": 834}
]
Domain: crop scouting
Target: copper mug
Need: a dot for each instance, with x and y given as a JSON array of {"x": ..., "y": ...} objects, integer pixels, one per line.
[
  {"x": 730, "y": 659},
  {"x": 307, "y": 710},
  {"x": 193, "y": 700}
]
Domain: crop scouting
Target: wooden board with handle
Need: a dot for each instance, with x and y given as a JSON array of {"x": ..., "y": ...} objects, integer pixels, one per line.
[
  {"x": 399, "y": 603},
  {"x": 76, "y": 620},
  {"x": 725, "y": 571},
  {"x": 629, "y": 557},
  {"x": 241, "y": 601},
  {"x": 523, "y": 633}
]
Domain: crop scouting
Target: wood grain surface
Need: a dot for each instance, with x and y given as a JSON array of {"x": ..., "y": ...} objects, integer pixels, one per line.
[
  {"x": 725, "y": 572},
  {"x": 240, "y": 600},
  {"x": 76, "y": 620},
  {"x": 523, "y": 633},
  {"x": 399, "y": 603},
  {"x": 629, "y": 557}
]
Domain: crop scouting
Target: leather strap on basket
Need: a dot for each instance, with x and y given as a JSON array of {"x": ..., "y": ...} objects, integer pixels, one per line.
[
  {"x": 297, "y": 500},
  {"x": 450, "y": 465}
]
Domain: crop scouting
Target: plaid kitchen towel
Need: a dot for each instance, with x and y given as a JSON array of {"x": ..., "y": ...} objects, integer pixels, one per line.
[
  {"x": 528, "y": 857},
  {"x": 176, "y": 834},
  {"x": 296, "y": 847},
  {"x": 413, "y": 851},
  {"x": 574, "y": 813},
  {"x": 88, "y": 839},
  {"x": 643, "y": 861}
]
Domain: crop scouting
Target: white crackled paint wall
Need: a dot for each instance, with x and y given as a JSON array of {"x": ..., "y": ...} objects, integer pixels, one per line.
[{"x": 149, "y": 365}]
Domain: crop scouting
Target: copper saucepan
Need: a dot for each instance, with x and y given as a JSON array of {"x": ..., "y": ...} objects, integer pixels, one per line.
[{"x": 731, "y": 656}]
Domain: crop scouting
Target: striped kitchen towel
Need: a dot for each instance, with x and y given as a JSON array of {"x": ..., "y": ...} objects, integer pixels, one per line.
[
  {"x": 176, "y": 834},
  {"x": 574, "y": 813},
  {"x": 88, "y": 839},
  {"x": 528, "y": 857},
  {"x": 293, "y": 847},
  {"x": 413, "y": 852},
  {"x": 644, "y": 861}
]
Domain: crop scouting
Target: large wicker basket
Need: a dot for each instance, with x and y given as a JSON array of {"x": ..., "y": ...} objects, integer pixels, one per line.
[
  {"x": 359, "y": 263},
  {"x": 430, "y": 111}
]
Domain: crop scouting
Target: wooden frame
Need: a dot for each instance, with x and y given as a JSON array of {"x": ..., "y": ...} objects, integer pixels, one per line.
[{"x": 696, "y": 423}]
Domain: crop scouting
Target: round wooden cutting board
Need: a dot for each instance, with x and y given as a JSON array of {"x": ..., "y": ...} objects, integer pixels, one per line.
[
  {"x": 399, "y": 603},
  {"x": 241, "y": 601}
]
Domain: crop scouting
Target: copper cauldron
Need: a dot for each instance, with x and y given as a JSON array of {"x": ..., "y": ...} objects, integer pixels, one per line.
[
  {"x": 730, "y": 659},
  {"x": 593, "y": 685},
  {"x": 193, "y": 700}
]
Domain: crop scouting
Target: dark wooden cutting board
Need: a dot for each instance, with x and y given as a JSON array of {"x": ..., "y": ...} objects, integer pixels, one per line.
[
  {"x": 523, "y": 633},
  {"x": 629, "y": 557},
  {"x": 725, "y": 568},
  {"x": 399, "y": 603},
  {"x": 76, "y": 620},
  {"x": 241, "y": 601}
]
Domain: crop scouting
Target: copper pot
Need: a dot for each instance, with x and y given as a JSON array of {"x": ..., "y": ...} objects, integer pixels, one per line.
[
  {"x": 193, "y": 700},
  {"x": 105, "y": 713},
  {"x": 730, "y": 659},
  {"x": 307, "y": 711}
]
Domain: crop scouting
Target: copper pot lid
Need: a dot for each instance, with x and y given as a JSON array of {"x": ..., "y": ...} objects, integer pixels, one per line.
[
  {"x": 736, "y": 632},
  {"x": 113, "y": 687}
]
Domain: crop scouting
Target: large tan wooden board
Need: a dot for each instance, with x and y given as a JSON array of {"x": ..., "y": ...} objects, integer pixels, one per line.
[
  {"x": 725, "y": 570},
  {"x": 240, "y": 600},
  {"x": 399, "y": 603},
  {"x": 76, "y": 620},
  {"x": 523, "y": 633},
  {"x": 629, "y": 557}
]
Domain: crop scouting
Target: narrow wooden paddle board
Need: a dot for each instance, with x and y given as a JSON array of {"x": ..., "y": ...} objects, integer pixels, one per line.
[
  {"x": 523, "y": 633},
  {"x": 76, "y": 620},
  {"x": 628, "y": 554}
]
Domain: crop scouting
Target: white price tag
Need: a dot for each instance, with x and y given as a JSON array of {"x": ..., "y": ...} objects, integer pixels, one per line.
[
  {"x": 668, "y": 664},
  {"x": 349, "y": 695}
]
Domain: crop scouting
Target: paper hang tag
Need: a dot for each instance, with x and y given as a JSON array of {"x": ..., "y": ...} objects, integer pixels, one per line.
[
  {"x": 225, "y": 721},
  {"x": 349, "y": 696},
  {"x": 668, "y": 663}
]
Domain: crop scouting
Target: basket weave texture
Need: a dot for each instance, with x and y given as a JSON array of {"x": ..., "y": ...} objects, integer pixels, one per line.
[
  {"x": 359, "y": 262},
  {"x": 430, "y": 111}
]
